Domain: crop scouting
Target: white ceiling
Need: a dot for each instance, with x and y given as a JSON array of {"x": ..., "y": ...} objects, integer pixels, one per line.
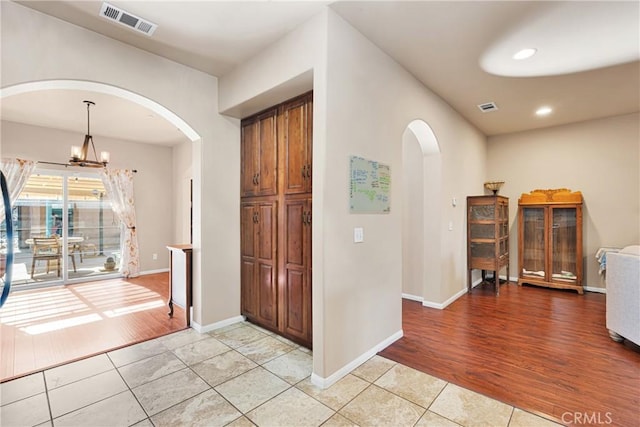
[
  {"x": 111, "y": 116},
  {"x": 586, "y": 67}
]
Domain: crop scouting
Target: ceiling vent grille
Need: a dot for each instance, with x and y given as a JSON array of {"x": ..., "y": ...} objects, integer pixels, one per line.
[
  {"x": 127, "y": 19},
  {"x": 487, "y": 107}
]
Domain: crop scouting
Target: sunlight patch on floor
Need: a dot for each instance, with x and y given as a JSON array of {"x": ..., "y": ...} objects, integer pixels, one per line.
[
  {"x": 61, "y": 324},
  {"x": 134, "y": 308}
]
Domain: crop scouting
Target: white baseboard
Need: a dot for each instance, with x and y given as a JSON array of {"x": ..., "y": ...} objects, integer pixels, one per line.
[
  {"x": 161, "y": 270},
  {"x": 412, "y": 297},
  {"x": 595, "y": 289},
  {"x": 443, "y": 305},
  {"x": 213, "y": 326},
  {"x": 336, "y": 376}
]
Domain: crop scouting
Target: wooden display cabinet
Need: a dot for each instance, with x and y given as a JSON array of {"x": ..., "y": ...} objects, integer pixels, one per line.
[
  {"x": 550, "y": 239},
  {"x": 487, "y": 236}
]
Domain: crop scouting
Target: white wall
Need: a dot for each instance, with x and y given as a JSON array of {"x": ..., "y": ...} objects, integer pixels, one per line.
[
  {"x": 37, "y": 47},
  {"x": 371, "y": 100},
  {"x": 151, "y": 162},
  {"x": 600, "y": 158},
  {"x": 412, "y": 217},
  {"x": 182, "y": 175}
]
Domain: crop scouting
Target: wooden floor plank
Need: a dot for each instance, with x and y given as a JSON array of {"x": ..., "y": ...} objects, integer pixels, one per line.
[
  {"x": 543, "y": 350},
  {"x": 47, "y": 327}
]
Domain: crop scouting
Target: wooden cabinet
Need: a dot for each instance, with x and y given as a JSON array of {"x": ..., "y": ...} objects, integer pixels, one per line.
[
  {"x": 259, "y": 155},
  {"x": 550, "y": 239},
  {"x": 296, "y": 125},
  {"x": 276, "y": 219},
  {"x": 487, "y": 236},
  {"x": 258, "y": 252}
]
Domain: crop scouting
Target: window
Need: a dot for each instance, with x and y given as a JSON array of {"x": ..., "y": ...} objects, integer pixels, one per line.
[{"x": 74, "y": 209}]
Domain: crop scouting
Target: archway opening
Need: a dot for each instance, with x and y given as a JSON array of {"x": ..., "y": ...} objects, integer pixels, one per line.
[
  {"x": 421, "y": 220},
  {"x": 147, "y": 175}
]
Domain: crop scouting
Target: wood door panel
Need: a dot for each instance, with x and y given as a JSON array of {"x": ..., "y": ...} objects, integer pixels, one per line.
[
  {"x": 294, "y": 233},
  {"x": 268, "y": 156},
  {"x": 267, "y": 297},
  {"x": 296, "y": 156},
  {"x": 267, "y": 230},
  {"x": 249, "y": 296},
  {"x": 247, "y": 233},
  {"x": 297, "y": 266},
  {"x": 295, "y": 317},
  {"x": 248, "y": 159}
]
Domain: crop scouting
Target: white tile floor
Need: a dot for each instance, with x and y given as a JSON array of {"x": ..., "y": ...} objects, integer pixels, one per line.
[{"x": 241, "y": 375}]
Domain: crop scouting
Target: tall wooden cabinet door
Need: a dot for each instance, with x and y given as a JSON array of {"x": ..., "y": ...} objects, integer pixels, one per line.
[
  {"x": 267, "y": 162},
  {"x": 248, "y": 158},
  {"x": 266, "y": 255},
  {"x": 565, "y": 244},
  {"x": 248, "y": 283},
  {"x": 297, "y": 146},
  {"x": 296, "y": 263}
]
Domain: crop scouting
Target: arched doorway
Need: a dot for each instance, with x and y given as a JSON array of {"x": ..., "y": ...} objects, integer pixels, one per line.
[
  {"x": 129, "y": 117},
  {"x": 421, "y": 221},
  {"x": 147, "y": 291},
  {"x": 158, "y": 109}
]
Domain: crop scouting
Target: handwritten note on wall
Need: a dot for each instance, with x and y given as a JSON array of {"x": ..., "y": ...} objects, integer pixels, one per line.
[{"x": 370, "y": 186}]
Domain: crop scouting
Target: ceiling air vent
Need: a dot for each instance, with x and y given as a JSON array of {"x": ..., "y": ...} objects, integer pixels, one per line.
[
  {"x": 487, "y": 107},
  {"x": 112, "y": 13}
]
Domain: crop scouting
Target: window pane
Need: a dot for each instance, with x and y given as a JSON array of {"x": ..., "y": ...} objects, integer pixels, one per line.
[
  {"x": 94, "y": 231},
  {"x": 37, "y": 214}
]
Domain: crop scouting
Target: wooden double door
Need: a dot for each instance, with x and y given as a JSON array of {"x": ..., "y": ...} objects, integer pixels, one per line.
[{"x": 276, "y": 219}]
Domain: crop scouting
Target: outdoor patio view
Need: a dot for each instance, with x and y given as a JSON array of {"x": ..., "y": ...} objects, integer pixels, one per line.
[{"x": 50, "y": 248}]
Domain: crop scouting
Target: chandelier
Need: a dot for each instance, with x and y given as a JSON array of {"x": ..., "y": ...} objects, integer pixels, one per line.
[{"x": 79, "y": 156}]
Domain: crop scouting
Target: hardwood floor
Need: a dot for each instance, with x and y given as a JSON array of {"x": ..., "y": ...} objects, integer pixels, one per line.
[
  {"x": 43, "y": 328},
  {"x": 543, "y": 350}
]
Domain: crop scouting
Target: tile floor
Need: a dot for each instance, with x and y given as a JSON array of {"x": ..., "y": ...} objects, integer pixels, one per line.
[{"x": 240, "y": 375}]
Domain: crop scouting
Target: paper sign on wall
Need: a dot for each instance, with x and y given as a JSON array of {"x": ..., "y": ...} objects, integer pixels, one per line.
[{"x": 370, "y": 186}]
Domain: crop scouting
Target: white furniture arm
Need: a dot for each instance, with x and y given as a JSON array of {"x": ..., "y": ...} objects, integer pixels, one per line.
[{"x": 623, "y": 294}]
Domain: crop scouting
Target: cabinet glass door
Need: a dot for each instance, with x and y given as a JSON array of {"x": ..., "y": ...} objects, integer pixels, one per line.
[
  {"x": 533, "y": 263},
  {"x": 563, "y": 243},
  {"x": 482, "y": 213},
  {"x": 482, "y": 231}
]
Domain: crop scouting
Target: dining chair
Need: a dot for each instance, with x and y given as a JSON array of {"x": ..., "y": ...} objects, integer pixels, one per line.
[
  {"x": 49, "y": 249},
  {"x": 46, "y": 249}
]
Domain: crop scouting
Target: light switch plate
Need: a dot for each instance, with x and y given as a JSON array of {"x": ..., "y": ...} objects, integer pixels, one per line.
[{"x": 358, "y": 235}]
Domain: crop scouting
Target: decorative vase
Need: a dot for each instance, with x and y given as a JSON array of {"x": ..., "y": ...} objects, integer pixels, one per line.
[{"x": 109, "y": 264}]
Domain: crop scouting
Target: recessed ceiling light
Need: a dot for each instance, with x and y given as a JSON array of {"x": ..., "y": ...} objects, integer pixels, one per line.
[
  {"x": 525, "y": 53},
  {"x": 543, "y": 111}
]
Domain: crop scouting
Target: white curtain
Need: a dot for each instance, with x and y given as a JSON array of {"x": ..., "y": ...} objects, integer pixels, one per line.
[
  {"x": 118, "y": 184},
  {"x": 16, "y": 172}
]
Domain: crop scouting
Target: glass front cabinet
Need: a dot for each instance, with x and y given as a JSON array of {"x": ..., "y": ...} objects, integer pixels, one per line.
[
  {"x": 487, "y": 236},
  {"x": 550, "y": 239}
]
